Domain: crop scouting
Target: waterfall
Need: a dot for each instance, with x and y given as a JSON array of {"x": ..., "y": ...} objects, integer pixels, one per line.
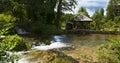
[
  {"x": 2, "y": 36},
  {"x": 21, "y": 31},
  {"x": 55, "y": 45},
  {"x": 58, "y": 41}
]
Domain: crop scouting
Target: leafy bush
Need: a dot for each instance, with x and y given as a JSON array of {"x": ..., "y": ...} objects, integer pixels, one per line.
[
  {"x": 13, "y": 42},
  {"x": 39, "y": 27},
  {"x": 6, "y": 23},
  {"x": 110, "y": 52}
]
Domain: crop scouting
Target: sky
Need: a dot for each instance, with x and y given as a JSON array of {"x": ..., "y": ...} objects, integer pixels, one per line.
[{"x": 91, "y": 5}]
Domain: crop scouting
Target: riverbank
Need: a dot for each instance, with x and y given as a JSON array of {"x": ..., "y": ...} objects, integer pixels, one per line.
[{"x": 88, "y": 31}]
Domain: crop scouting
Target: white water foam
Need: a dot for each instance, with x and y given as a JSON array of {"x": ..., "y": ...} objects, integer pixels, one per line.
[
  {"x": 2, "y": 36},
  {"x": 45, "y": 47},
  {"x": 41, "y": 47},
  {"x": 51, "y": 46},
  {"x": 23, "y": 60}
]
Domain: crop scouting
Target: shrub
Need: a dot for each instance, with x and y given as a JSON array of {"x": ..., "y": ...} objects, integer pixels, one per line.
[
  {"x": 6, "y": 23},
  {"x": 38, "y": 27},
  {"x": 110, "y": 52},
  {"x": 13, "y": 42}
]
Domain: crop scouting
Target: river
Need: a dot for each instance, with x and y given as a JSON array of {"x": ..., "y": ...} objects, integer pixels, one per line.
[{"x": 83, "y": 46}]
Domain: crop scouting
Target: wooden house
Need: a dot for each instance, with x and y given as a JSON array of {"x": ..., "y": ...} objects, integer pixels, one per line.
[{"x": 81, "y": 22}]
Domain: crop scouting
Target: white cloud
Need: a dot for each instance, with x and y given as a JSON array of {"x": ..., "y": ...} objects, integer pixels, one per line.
[
  {"x": 91, "y": 2},
  {"x": 90, "y": 12},
  {"x": 87, "y": 3},
  {"x": 91, "y": 5}
]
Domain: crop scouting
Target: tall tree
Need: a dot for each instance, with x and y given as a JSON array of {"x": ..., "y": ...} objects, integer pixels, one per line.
[
  {"x": 113, "y": 9},
  {"x": 102, "y": 12},
  {"x": 36, "y": 12},
  {"x": 83, "y": 11},
  {"x": 64, "y": 5},
  {"x": 59, "y": 8},
  {"x": 97, "y": 18}
]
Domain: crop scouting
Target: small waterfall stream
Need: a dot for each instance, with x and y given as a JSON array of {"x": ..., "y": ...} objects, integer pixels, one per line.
[
  {"x": 57, "y": 42},
  {"x": 21, "y": 31}
]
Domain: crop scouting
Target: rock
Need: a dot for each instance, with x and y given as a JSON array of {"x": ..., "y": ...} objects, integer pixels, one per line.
[{"x": 50, "y": 56}]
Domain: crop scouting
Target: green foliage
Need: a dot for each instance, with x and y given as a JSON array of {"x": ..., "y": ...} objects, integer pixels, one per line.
[
  {"x": 40, "y": 28},
  {"x": 13, "y": 42},
  {"x": 6, "y": 23},
  {"x": 117, "y": 19},
  {"x": 63, "y": 5},
  {"x": 98, "y": 19},
  {"x": 110, "y": 25},
  {"x": 102, "y": 12},
  {"x": 38, "y": 10},
  {"x": 113, "y": 9},
  {"x": 110, "y": 52},
  {"x": 83, "y": 11},
  {"x": 50, "y": 29},
  {"x": 66, "y": 17},
  {"x": 111, "y": 21}
]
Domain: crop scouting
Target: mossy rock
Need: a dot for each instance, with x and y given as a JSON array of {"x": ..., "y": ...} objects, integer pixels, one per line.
[{"x": 50, "y": 56}]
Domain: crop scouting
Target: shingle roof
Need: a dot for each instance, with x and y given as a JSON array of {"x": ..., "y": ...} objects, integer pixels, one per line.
[{"x": 82, "y": 18}]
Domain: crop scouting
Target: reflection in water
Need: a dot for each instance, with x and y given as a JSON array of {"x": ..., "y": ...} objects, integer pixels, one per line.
[
  {"x": 61, "y": 38},
  {"x": 90, "y": 40}
]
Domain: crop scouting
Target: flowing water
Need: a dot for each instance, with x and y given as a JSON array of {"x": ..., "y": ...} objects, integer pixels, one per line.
[{"x": 83, "y": 46}]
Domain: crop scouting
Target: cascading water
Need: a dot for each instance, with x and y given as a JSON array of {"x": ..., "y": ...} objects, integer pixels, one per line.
[
  {"x": 57, "y": 42},
  {"x": 21, "y": 31},
  {"x": 54, "y": 45}
]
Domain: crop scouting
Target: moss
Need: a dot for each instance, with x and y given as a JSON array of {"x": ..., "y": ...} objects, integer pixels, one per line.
[
  {"x": 50, "y": 56},
  {"x": 61, "y": 60}
]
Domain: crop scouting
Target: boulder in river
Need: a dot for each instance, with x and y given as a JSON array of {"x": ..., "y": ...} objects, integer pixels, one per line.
[{"x": 49, "y": 56}]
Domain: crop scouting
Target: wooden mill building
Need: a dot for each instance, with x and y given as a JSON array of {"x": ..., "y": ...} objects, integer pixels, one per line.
[{"x": 79, "y": 22}]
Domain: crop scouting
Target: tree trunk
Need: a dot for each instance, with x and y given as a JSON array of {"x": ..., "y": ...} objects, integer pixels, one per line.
[{"x": 57, "y": 22}]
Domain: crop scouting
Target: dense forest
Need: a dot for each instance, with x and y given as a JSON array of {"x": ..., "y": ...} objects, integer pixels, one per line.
[
  {"x": 41, "y": 16},
  {"x": 46, "y": 17},
  {"x": 50, "y": 15}
]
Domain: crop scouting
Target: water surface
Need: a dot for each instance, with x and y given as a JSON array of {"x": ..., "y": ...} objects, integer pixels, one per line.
[{"x": 83, "y": 46}]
